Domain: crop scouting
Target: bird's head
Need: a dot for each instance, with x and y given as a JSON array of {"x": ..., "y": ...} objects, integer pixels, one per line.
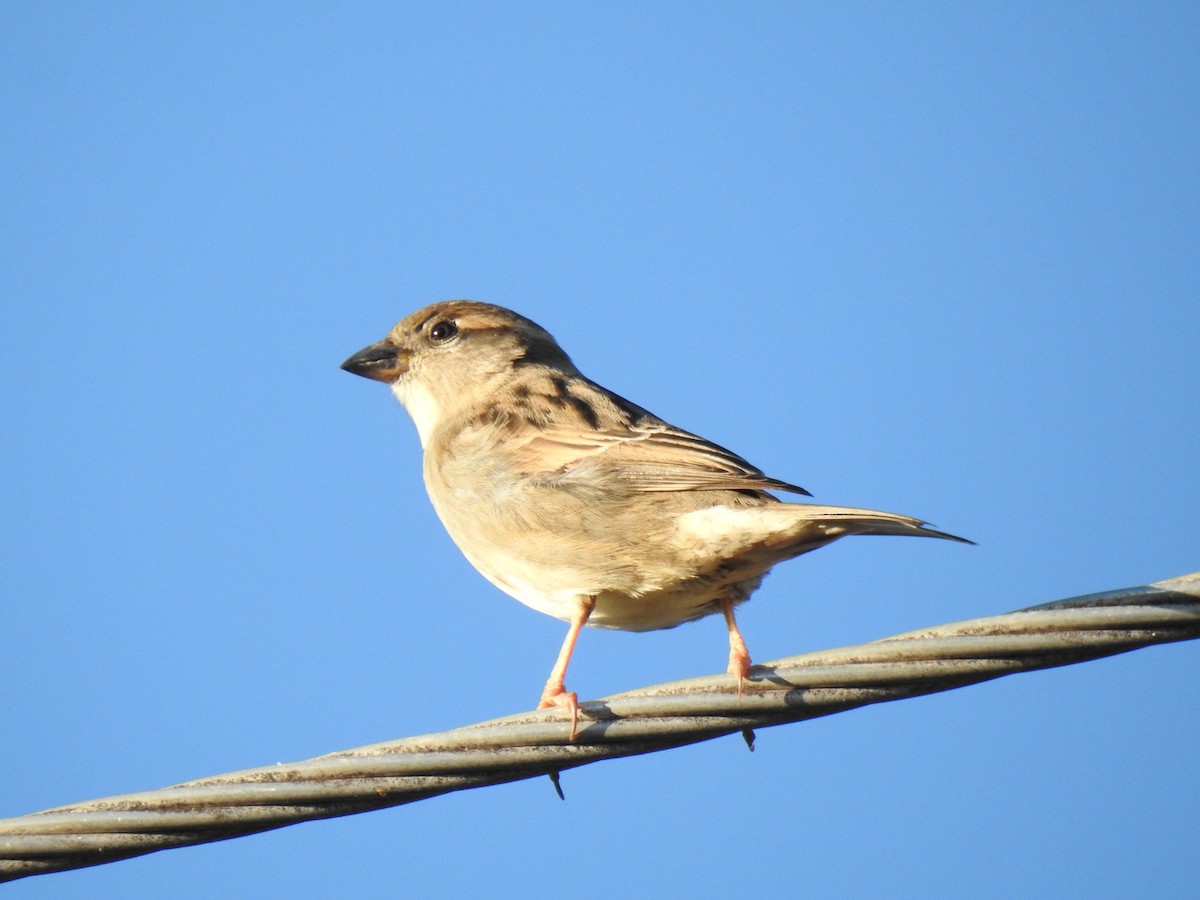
[{"x": 453, "y": 356}]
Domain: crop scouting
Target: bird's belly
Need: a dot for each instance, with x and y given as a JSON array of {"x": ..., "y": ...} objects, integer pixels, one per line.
[
  {"x": 667, "y": 608},
  {"x": 557, "y": 592},
  {"x": 548, "y": 548}
]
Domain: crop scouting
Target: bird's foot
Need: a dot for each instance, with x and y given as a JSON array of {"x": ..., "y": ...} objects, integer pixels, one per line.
[
  {"x": 559, "y": 697},
  {"x": 739, "y": 656},
  {"x": 739, "y": 662}
]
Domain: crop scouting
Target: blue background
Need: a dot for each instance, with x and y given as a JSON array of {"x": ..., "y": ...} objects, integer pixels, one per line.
[{"x": 934, "y": 258}]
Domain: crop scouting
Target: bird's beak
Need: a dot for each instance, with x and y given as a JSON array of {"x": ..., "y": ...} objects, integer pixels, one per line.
[{"x": 383, "y": 361}]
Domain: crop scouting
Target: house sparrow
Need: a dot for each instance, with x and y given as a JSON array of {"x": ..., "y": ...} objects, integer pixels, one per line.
[{"x": 578, "y": 503}]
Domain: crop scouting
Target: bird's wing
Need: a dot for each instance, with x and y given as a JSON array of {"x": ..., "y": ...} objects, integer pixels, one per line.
[
  {"x": 635, "y": 448},
  {"x": 665, "y": 458}
]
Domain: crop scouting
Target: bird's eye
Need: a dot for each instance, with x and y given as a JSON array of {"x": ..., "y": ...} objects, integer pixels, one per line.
[{"x": 443, "y": 331}]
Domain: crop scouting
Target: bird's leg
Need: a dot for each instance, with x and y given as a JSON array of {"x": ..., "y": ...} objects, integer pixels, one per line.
[
  {"x": 555, "y": 692},
  {"x": 739, "y": 656}
]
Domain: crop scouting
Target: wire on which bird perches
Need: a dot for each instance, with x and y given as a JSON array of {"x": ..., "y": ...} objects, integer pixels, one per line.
[{"x": 641, "y": 721}]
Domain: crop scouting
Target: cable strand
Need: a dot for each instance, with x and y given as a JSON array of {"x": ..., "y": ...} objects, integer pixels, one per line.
[{"x": 660, "y": 717}]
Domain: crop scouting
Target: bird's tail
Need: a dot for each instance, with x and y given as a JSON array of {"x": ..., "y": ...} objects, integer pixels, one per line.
[
  {"x": 838, "y": 521},
  {"x": 765, "y": 535}
]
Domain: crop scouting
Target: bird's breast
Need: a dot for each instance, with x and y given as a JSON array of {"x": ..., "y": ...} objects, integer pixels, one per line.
[{"x": 547, "y": 545}]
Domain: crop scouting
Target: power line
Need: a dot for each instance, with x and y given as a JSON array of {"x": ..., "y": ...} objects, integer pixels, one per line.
[{"x": 642, "y": 721}]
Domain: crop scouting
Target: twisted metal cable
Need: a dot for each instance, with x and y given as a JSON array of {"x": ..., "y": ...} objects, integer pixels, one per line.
[{"x": 641, "y": 721}]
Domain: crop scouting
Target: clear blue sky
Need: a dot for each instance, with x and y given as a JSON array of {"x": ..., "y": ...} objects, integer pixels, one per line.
[{"x": 934, "y": 258}]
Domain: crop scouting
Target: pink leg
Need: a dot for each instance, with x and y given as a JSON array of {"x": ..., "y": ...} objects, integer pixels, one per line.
[
  {"x": 739, "y": 656},
  {"x": 555, "y": 692}
]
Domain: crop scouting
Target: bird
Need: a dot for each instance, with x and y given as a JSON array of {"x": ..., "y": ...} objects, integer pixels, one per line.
[{"x": 581, "y": 504}]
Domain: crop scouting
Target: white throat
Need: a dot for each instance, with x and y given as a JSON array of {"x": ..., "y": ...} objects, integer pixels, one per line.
[{"x": 423, "y": 408}]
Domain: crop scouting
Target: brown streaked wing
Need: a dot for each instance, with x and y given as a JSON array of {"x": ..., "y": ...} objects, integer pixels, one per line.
[{"x": 650, "y": 456}]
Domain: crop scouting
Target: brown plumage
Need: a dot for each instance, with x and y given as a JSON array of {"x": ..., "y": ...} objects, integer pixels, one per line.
[{"x": 579, "y": 503}]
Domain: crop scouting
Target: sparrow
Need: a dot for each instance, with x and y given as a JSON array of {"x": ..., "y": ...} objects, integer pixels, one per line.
[{"x": 579, "y": 503}]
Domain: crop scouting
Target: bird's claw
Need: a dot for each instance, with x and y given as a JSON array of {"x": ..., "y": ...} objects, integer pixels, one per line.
[
  {"x": 562, "y": 699},
  {"x": 739, "y": 665}
]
